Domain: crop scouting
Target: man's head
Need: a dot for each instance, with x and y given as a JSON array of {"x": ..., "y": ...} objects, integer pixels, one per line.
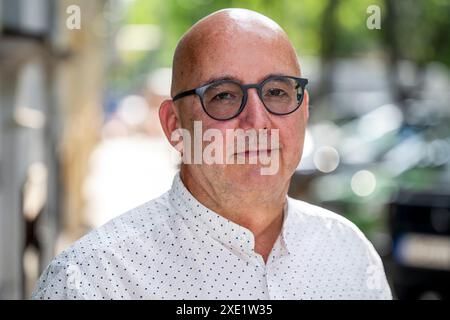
[{"x": 247, "y": 47}]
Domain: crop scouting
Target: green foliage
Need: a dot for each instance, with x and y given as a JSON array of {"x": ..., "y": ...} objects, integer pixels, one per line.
[
  {"x": 423, "y": 30},
  {"x": 417, "y": 28}
]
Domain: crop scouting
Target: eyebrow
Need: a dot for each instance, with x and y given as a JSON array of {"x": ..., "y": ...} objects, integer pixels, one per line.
[{"x": 233, "y": 78}]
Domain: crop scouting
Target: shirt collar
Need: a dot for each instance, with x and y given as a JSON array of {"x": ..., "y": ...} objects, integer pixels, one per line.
[{"x": 220, "y": 228}]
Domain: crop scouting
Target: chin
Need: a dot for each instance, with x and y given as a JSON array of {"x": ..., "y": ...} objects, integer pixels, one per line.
[{"x": 248, "y": 175}]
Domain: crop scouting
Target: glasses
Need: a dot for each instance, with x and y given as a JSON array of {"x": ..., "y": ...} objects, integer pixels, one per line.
[{"x": 225, "y": 99}]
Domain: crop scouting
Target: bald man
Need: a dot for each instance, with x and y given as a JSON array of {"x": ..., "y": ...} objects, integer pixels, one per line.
[{"x": 226, "y": 229}]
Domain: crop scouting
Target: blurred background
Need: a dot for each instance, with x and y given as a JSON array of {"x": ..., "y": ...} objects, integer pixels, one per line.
[{"x": 80, "y": 141}]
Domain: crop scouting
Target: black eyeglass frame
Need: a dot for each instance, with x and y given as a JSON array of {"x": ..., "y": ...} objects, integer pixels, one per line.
[{"x": 200, "y": 91}]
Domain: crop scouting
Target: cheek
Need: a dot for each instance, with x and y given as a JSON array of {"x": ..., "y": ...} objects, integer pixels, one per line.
[
  {"x": 291, "y": 141},
  {"x": 292, "y": 136},
  {"x": 192, "y": 112}
]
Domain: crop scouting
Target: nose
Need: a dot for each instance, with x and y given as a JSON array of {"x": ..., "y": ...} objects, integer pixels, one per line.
[{"x": 254, "y": 115}]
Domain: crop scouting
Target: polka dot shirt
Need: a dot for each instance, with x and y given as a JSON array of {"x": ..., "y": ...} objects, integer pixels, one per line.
[{"x": 173, "y": 247}]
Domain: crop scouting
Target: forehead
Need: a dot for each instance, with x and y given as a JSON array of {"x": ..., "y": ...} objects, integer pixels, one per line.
[{"x": 248, "y": 57}]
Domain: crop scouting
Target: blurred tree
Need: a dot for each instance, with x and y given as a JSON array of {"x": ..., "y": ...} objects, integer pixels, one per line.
[{"x": 415, "y": 30}]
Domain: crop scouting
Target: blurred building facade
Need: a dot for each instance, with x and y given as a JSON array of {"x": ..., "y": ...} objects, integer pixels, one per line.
[{"x": 50, "y": 98}]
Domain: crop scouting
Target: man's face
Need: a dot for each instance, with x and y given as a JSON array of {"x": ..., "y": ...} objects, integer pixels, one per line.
[{"x": 248, "y": 59}]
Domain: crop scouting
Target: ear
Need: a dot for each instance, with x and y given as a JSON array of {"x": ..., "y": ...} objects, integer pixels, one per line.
[
  {"x": 169, "y": 119},
  {"x": 305, "y": 105}
]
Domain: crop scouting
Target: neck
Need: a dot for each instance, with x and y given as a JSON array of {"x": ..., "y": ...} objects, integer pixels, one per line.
[{"x": 262, "y": 214}]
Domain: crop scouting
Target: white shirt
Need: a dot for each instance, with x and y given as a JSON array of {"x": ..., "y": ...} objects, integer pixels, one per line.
[{"x": 173, "y": 247}]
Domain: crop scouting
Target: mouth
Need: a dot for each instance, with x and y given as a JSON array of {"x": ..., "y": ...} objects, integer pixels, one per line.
[{"x": 256, "y": 153}]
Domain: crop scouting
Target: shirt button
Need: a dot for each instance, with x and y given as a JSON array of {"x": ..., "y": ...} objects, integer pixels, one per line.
[{"x": 243, "y": 238}]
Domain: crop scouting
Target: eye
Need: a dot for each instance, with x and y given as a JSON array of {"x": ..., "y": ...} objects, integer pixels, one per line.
[
  {"x": 223, "y": 96},
  {"x": 275, "y": 92}
]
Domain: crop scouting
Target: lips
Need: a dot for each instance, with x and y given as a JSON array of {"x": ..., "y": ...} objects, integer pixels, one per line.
[{"x": 255, "y": 153}]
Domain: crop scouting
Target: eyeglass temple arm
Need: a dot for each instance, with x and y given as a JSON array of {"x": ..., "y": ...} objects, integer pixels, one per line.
[{"x": 184, "y": 94}]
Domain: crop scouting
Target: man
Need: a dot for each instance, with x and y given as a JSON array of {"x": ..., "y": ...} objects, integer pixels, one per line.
[{"x": 226, "y": 230}]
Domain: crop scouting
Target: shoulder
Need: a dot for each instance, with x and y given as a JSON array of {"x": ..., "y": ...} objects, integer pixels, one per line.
[
  {"x": 102, "y": 247},
  {"x": 333, "y": 233},
  {"x": 323, "y": 219},
  {"x": 146, "y": 221},
  {"x": 340, "y": 245}
]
